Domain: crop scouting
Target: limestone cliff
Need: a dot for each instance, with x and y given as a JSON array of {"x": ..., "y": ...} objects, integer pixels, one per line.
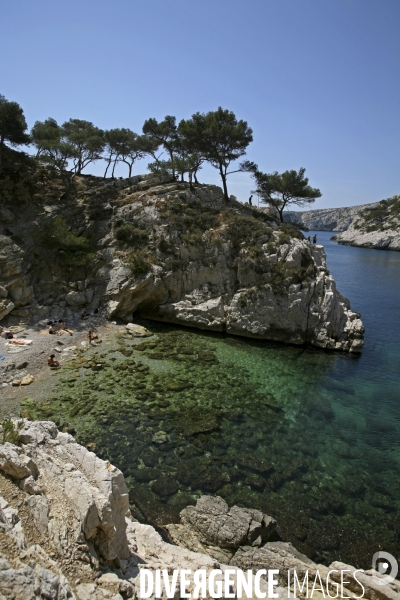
[
  {"x": 326, "y": 219},
  {"x": 66, "y": 530},
  {"x": 378, "y": 227},
  {"x": 171, "y": 252},
  {"x": 375, "y": 225}
]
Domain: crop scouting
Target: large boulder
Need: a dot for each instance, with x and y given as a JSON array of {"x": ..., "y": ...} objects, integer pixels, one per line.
[{"x": 215, "y": 524}]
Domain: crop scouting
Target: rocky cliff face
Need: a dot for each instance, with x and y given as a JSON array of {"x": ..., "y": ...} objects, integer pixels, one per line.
[
  {"x": 327, "y": 219},
  {"x": 173, "y": 253},
  {"x": 66, "y": 530},
  {"x": 378, "y": 227},
  {"x": 375, "y": 225}
]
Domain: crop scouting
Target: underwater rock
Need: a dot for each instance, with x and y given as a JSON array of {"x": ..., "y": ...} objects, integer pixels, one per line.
[
  {"x": 200, "y": 474},
  {"x": 196, "y": 420},
  {"x": 207, "y": 357},
  {"x": 145, "y": 474},
  {"x": 138, "y": 330},
  {"x": 255, "y": 464},
  {"x": 160, "y": 437},
  {"x": 165, "y": 486},
  {"x": 177, "y": 386}
]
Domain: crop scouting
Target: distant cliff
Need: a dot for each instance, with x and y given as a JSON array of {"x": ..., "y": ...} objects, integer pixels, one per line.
[
  {"x": 377, "y": 226},
  {"x": 327, "y": 219}
]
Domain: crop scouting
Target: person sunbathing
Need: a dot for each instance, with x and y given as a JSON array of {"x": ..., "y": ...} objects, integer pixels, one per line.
[
  {"x": 63, "y": 327},
  {"x": 52, "y": 362}
]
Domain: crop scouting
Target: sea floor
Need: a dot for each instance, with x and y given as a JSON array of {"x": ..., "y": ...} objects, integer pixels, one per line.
[{"x": 264, "y": 425}]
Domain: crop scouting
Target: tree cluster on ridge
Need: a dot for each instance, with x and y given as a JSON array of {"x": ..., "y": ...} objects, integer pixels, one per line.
[{"x": 216, "y": 137}]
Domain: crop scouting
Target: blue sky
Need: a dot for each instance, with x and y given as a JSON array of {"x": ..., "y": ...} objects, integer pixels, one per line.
[{"x": 317, "y": 80}]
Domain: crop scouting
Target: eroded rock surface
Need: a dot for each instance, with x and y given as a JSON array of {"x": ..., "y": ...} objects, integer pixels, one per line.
[
  {"x": 74, "y": 537},
  {"x": 172, "y": 253}
]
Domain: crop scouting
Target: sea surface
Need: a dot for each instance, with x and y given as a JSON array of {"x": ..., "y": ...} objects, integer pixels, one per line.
[{"x": 309, "y": 436}]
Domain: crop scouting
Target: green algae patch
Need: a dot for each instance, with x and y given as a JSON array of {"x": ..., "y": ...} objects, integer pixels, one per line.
[{"x": 191, "y": 413}]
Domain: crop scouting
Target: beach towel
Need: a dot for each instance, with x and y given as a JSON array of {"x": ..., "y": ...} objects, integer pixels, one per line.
[{"x": 43, "y": 332}]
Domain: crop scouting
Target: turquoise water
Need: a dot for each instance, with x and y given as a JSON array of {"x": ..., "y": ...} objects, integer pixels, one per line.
[{"x": 308, "y": 436}]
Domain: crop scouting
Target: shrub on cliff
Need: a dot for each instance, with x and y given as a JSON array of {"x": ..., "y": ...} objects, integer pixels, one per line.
[
  {"x": 192, "y": 218},
  {"x": 73, "y": 249},
  {"x": 292, "y": 231},
  {"x": 244, "y": 229},
  {"x": 138, "y": 263},
  {"x": 131, "y": 234}
]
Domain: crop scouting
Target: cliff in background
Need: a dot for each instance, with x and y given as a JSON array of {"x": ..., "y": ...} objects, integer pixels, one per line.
[
  {"x": 326, "y": 219},
  {"x": 168, "y": 251},
  {"x": 375, "y": 225}
]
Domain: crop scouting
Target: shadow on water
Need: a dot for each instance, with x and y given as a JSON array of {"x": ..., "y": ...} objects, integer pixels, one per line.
[{"x": 308, "y": 436}]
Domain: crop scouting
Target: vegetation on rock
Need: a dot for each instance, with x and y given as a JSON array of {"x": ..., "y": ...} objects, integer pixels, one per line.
[
  {"x": 385, "y": 215},
  {"x": 12, "y": 126},
  {"x": 282, "y": 189}
]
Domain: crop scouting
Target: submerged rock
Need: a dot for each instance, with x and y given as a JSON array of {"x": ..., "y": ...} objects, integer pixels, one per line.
[
  {"x": 82, "y": 522},
  {"x": 138, "y": 330}
]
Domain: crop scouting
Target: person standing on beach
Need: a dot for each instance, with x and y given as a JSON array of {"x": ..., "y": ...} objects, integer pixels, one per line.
[{"x": 314, "y": 240}]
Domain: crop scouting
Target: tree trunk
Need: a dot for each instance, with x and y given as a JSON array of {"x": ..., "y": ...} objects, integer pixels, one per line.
[
  {"x": 223, "y": 177},
  {"x": 280, "y": 211},
  {"x": 1, "y": 154},
  {"x": 130, "y": 169},
  {"x": 195, "y": 178},
  {"x": 115, "y": 162},
  {"x": 108, "y": 164}
]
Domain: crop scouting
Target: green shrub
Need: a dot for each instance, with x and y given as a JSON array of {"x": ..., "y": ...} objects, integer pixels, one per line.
[
  {"x": 191, "y": 218},
  {"x": 73, "y": 249},
  {"x": 271, "y": 248},
  {"x": 138, "y": 263},
  {"x": 57, "y": 234},
  {"x": 10, "y": 432},
  {"x": 244, "y": 229},
  {"x": 284, "y": 238},
  {"x": 164, "y": 246},
  {"x": 130, "y": 234},
  {"x": 262, "y": 216},
  {"x": 292, "y": 230}
]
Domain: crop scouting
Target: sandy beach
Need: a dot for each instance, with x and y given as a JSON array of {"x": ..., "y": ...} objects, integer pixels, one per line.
[{"x": 32, "y": 360}]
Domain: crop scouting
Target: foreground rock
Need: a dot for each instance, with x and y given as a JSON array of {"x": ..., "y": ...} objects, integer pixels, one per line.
[{"x": 66, "y": 530}]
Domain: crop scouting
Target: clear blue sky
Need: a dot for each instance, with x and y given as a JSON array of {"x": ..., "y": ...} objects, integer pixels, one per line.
[{"x": 317, "y": 80}]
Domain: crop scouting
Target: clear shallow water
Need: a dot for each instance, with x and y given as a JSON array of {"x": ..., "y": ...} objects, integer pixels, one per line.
[{"x": 309, "y": 436}]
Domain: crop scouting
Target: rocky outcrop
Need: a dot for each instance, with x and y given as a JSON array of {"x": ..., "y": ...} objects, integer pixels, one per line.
[
  {"x": 326, "y": 219},
  {"x": 388, "y": 239},
  {"x": 72, "y": 535},
  {"x": 174, "y": 254},
  {"x": 375, "y": 225}
]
